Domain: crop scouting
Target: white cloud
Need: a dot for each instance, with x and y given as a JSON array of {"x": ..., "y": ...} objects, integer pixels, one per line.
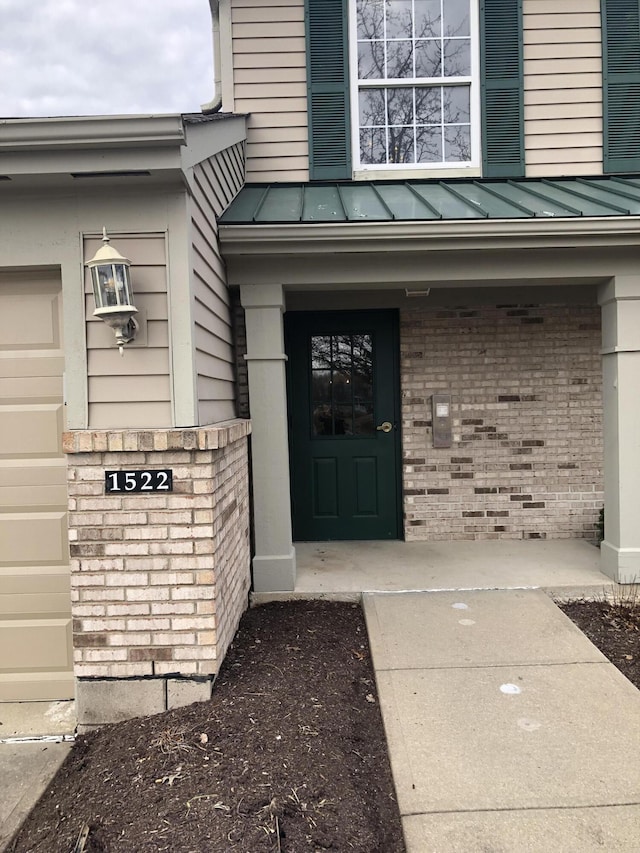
[{"x": 95, "y": 57}]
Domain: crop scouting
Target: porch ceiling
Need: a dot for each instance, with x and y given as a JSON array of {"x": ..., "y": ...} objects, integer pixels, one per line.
[{"x": 422, "y": 201}]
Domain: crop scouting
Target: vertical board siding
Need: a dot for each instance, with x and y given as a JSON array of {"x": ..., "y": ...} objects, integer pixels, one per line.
[
  {"x": 216, "y": 182},
  {"x": 133, "y": 390},
  {"x": 270, "y": 74},
  {"x": 562, "y": 87}
]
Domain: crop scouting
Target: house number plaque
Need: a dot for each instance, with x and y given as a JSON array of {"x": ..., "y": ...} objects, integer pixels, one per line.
[{"x": 139, "y": 481}]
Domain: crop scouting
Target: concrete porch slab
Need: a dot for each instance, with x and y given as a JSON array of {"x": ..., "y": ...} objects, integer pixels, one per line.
[
  {"x": 461, "y": 629},
  {"x": 613, "y": 828},
  {"x": 354, "y": 567},
  {"x": 459, "y": 743}
]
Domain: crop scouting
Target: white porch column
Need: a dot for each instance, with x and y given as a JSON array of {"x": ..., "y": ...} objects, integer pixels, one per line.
[
  {"x": 274, "y": 564},
  {"x": 620, "y": 553}
]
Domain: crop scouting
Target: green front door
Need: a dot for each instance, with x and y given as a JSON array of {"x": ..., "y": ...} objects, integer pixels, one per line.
[{"x": 344, "y": 424}]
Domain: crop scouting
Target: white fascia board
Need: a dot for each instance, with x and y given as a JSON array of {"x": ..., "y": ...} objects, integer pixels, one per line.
[
  {"x": 91, "y": 132},
  {"x": 433, "y": 235},
  {"x": 206, "y": 139},
  {"x": 65, "y": 163}
]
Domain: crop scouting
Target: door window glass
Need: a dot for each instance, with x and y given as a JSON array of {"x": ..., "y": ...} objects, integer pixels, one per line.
[{"x": 342, "y": 384}]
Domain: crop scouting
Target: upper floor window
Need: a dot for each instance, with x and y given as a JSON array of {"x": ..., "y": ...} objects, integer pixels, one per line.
[{"x": 414, "y": 83}]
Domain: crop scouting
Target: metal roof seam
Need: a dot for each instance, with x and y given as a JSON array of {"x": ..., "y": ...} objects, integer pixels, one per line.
[
  {"x": 341, "y": 200},
  {"x": 506, "y": 199},
  {"x": 608, "y": 189},
  {"x": 617, "y": 190},
  {"x": 435, "y": 211},
  {"x": 483, "y": 213},
  {"x": 382, "y": 201},
  {"x": 263, "y": 198},
  {"x": 575, "y": 193},
  {"x": 573, "y": 211}
]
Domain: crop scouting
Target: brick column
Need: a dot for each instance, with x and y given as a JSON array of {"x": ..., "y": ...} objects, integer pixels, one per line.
[
  {"x": 158, "y": 581},
  {"x": 620, "y": 301}
]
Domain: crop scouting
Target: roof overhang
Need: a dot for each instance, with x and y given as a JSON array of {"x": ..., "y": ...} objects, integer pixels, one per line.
[
  {"x": 432, "y": 235},
  {"x": 71, "y": 153},
  {"x": 392, "y": 233},
  {"x": 460, "y": 253}
]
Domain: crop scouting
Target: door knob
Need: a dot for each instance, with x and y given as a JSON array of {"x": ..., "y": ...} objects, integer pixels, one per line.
[{"x": 385, "y": 426}]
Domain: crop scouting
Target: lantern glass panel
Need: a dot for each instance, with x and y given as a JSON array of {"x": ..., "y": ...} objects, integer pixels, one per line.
[{"x": 111, "y": 285}]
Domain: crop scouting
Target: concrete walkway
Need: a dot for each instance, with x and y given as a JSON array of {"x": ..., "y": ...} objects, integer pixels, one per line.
[{"x": 507, "y": 729}]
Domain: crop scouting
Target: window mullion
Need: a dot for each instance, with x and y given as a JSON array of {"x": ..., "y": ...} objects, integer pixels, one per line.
[
  {"x": 385, "y": 42},
  {"x": 386, "y": 129},
  {"x": 415, "y": 129},
  {"x": 407, "y": 82}
]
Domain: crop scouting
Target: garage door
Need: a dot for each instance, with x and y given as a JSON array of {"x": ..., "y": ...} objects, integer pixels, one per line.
[{"x": 35, "y": 607}]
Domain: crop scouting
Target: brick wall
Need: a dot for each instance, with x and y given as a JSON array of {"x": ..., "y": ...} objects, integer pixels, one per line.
[
  {"x": 526, "y": 457},
  {"x": 239, "y": 351},
  {"x": 158, "y": 581}
]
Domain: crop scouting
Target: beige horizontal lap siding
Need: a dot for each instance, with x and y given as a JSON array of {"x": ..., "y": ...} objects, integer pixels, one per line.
[
  {"x": 562, "y": 87},
  {"x": 270, "y": 84},
  {"x": 132, "y": 390},
  {"x": 216, "y": 182}
]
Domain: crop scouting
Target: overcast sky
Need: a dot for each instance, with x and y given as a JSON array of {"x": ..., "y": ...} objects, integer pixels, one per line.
[{"x": 97, "y": 57}]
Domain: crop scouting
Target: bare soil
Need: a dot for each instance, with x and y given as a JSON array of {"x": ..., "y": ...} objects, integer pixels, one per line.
[{"x": 289, "y": 755}]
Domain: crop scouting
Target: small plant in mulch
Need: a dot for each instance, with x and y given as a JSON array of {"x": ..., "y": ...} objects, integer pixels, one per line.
[
  {"x": 625, "y": 599},
  {"x": 612, "y": 623}
]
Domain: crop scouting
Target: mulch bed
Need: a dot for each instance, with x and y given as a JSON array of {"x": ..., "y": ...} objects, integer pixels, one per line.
[
  {"x": 614, "y": 627},
  {"x": 288, "y": 756}
]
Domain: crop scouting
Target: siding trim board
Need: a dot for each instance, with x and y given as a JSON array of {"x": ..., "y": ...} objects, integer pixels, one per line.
[{"x": 216, "y": 181}]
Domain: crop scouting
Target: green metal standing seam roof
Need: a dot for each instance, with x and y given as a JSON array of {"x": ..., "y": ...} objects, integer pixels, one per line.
[{"x": 364, "y": 201}]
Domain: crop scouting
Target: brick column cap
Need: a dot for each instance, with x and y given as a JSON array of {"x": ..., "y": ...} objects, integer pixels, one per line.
[{"x": 210, "y": 437}]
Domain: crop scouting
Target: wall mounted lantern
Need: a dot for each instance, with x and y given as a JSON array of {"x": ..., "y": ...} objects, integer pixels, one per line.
[{"x": 112, "y": 292}]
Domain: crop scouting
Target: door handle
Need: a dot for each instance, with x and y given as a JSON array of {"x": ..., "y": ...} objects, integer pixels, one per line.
[{"x": 385, "y": 426}]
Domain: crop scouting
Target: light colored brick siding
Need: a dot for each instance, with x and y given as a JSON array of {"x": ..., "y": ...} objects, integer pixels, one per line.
[
  {"x": 526, "y": 458},
  {"x": 158, "y": 582}
]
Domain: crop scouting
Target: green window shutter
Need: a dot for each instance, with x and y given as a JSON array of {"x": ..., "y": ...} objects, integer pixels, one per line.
[
  {"x": 326, "y": 25},
  {"x": 621, "y": 84},
  {"x": 502, "y": 88}
]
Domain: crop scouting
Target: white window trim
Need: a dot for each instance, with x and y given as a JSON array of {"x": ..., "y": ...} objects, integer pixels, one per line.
[{"x": 457, "y": 167}]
